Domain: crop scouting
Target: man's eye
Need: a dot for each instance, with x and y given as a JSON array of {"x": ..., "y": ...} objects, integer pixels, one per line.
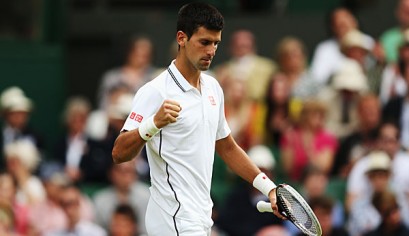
[{"x": 205, "y": 43}]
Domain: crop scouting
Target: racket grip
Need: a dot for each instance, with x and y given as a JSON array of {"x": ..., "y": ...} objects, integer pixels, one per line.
[{"x": 263, "y": 206}]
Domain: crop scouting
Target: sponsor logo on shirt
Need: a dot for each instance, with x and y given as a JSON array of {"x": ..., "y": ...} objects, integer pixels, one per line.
[
  {"x": 136, "y": 117},
  {"x": 212, "y": 101}
]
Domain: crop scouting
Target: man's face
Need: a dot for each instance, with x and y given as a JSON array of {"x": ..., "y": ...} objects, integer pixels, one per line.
[
  {"x": 388, "y": 140},
  {"x": 201, "y": 47}
]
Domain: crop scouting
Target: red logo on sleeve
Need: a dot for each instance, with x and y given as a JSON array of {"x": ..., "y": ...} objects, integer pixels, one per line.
[
  {"x": 139, "y": 118},
  {"x": 212, "y": 101}
]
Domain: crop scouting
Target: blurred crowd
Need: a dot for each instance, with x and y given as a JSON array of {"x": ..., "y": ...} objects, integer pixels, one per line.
[{"x": 335, "y": 127}]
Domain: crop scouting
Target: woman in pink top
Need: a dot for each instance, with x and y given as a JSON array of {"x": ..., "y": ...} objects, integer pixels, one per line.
[{"x": 308, "y": 143}]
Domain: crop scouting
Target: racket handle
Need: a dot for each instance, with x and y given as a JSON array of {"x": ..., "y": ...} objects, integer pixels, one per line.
[{"x": 263, "y": 206}]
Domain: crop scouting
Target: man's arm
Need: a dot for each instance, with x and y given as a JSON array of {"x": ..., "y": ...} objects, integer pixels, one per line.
[
  {"x": 238, "y": 161},
  {"x": 127, "y": 146},
  {"x": 129, "y": 143}
]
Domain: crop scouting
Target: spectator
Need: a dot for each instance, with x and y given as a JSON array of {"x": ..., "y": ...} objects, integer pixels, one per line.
[
  {"x": 48, "y": 216},
  {"x": 393, "y": 83},
  {"x": 97, "y": 161},
  {"x": 7, "y": 220},
  {"x": 397, "y": 109},
  {"x": 124, "y": 221},
  {"x": 22, "y": 158},
  {"x": 69, "y": 150},
  {"x": 392, "y": 38},
  {"x": 16, "y": 109},
  {"x": 387, "y": 205},
  {"x": 125, "y": 188},
  {"x": 363, "y": 216},
  {"x": 239, "y": 215},
  {"x": 322, "y": 207},
  {"x": 20, "y": 217},
  {"x": 308, "y": 143},
  {"x": 128, "y": 78},
  {"x": 327, "y": 57},
  {"x": 71, "y": 203},
  {"x": 314, "y": 184},
  {"x": 342, "y": 97},
  {"x": 388, "y": 141},
  {"x": 243, "y": 115},
  {"x": 278, "y": 117},
  {"x": 246, "y": 65},
  {"x": 292, "y": 61},
  {"x": 363, "y": 139}
]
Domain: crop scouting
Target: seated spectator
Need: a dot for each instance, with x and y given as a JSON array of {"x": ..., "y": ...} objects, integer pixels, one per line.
[
  {"x": 97, "y": 160},
  {"x": 278, "y": 118},
  {"x": 71, "y": 203},
  {"x": 363, "y": 216},
  {"x": 124, "y": 221},
  {"x": 322, "y": 207},
  {"x": 246, "y": 65},
  {"x": 391, "y": 224},
  {"x": 362, "y": 140},
  {"x": 125, "y": 188},
  {"x": 393, "y": 37},
  {"x": 341, "y": 98},
  {"x": 397, "y": 109},
  {"x": 48, "y": 216},
  {"x": 292, "y": 61},
  {"x": 358, "y": 185},
  {"x": 129, "y": 77},
  {"x": 20, "y": 216},
  {"x": 16, "y": 108},
  {"x": 22, "y": 158},
  {"x": 308, "y": 143},
  {"x": 243, "y": 115},
  {"x": 314, "y": 184},
  {"x": 239, "y": 215},
  {"x": 7, "y": 220},
  {"x": 327, "y": 57},
  {"x": 71, "y": 147}
]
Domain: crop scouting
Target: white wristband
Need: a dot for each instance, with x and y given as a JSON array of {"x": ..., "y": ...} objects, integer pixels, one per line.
[
  {"x": 148, "y": 129},
  {"x": 263, "y": 184}
]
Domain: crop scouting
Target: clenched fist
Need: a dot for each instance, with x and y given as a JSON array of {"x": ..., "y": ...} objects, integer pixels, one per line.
[{"x": 168, "y": 113}]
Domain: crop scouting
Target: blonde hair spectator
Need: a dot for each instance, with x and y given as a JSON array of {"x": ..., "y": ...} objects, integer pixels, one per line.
[{"x": 25, "y": 151}]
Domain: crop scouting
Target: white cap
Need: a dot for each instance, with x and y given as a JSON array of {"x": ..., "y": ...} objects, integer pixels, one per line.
[
  {"x": 25, "y": 151},
  {"x": 14, "y": 99},
  {"x": 121, "y": 107},
  {"x": 351, "y": 77},
  {"x": 262, "y": 157},
  {"x": 355, "y": 38},
  {"x": 378, "y": 160}
]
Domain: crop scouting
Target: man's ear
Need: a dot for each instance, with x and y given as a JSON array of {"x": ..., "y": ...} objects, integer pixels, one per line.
[{"x": 181, "y": 38}]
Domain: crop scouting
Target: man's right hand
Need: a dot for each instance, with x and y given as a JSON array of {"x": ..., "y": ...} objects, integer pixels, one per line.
[{"x": 168, "y": 113}]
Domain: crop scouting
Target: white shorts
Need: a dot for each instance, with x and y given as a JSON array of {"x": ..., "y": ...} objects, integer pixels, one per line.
[{"x": 160, "y": 223}]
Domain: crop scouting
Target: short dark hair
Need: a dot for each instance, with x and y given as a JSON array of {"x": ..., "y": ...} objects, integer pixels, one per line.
[
  {"x": 126, "y": 210},
  {"x": 194, "y": 15}
]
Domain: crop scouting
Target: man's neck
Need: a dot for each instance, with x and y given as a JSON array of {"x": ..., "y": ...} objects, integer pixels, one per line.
[{"x": 189, "y": 72}]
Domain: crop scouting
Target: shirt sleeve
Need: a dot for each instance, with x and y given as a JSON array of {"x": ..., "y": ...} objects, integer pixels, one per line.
[
  {"x": 146, "y": 103},
  {"x": 223, "y": 129}
]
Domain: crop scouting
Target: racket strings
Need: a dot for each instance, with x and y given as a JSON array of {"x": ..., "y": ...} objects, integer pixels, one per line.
[{"x": 297, "y": 211}]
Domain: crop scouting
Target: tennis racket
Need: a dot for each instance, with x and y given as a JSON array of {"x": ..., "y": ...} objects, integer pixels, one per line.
[{"x": 293, "y": 206}]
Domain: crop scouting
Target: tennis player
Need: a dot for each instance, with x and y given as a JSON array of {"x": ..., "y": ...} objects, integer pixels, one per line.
[{"x": 179, "y": 115}]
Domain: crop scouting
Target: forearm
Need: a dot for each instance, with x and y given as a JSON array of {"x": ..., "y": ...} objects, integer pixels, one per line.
[
  {"x": 127, "y": 146},
  {"x": 237, "y": 160}
]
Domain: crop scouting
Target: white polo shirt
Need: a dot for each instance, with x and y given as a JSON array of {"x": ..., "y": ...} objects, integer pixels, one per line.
[{"x": 181, "y": 156}]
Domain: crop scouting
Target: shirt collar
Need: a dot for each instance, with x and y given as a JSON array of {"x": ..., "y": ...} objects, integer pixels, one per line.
[{"x": 180, "y": 81}]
